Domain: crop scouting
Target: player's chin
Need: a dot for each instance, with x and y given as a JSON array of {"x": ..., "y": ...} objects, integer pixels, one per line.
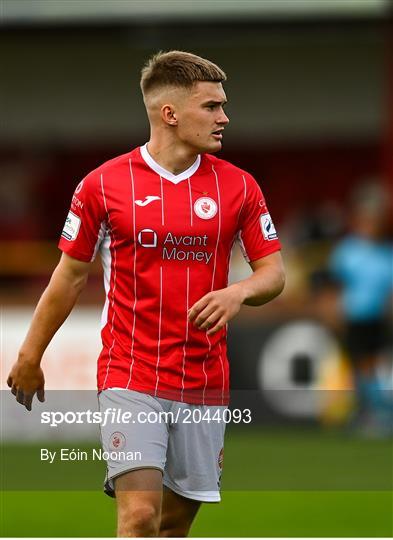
[
  {"x": 214, "y": 146},
  {"x": 209, "y": 147}
]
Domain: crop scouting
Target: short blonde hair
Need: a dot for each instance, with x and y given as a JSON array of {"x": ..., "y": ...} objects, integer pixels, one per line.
[{"x": 179, "y": 69}]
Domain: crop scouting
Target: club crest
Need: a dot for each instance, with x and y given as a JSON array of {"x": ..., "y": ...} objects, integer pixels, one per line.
[
  {"x": 117, "y": 441},
  {"x": 205, "y": 207}
]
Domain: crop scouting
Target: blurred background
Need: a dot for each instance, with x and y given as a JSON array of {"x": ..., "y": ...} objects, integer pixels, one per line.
[{"x": 311, "y": 109}]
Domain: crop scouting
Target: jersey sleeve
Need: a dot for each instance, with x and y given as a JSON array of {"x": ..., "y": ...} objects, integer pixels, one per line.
[
  {"x": 85, "y": 223},
  {"x": 257, "y": 235}
]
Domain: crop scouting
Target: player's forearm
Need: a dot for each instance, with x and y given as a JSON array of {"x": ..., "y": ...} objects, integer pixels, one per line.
[
  {"x": 52, "y": 310},
  {"x": 263, "y": 285}
]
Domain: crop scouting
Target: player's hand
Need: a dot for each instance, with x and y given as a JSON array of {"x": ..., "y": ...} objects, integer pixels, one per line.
[
  {"x": 215, "y": 309},
  {"x": 25, "y": 380}
]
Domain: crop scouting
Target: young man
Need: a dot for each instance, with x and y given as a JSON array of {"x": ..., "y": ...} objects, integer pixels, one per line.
[{"x": 164, "y": 217}]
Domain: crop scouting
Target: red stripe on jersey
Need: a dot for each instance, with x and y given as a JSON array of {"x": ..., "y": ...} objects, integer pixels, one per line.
[{"x": 187, "y": 323}]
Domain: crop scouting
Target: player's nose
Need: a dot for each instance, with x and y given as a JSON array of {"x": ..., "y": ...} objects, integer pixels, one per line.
[{"x": 223, "y": 118}]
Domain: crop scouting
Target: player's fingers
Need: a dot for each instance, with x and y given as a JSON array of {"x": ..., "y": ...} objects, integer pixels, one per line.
[
  {"x": 210, "y": 321},
  {"x": 195, "y": 309},
  {"x": 13, "y": 390},
  {"x": 205, "y": 315},
  {"x": 198, "y": 307},
  {"x": 20, "y": 397},
  {"x": 41, "y": 395},
  {"x": 221, "y": 323},
  {"x": 27, "y": 401}
]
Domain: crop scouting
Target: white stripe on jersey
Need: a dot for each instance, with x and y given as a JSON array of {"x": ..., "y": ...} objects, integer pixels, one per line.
[
  {"x": 239, "y": 235},
  {"x": 213, "y": 276},
  {"x": 162, "y": 203},
  {"x": 111, "y": 233},
  {"x": 103, "y": 245},
  {"x": 219, "y": 227},
  {"x": 106, "y": 260},
  {"x": 242, "y": 246},
  {"x": 135, "y": 299},
  {"x": 159, "y": 334},
  {"x": 190, "y": 193},
  {"x": 186, "y": 339},
  {"x": 100, "y": 237}
]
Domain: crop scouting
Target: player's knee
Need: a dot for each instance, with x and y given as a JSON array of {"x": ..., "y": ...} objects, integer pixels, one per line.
[
  {"x": 139, "y": 521},
  {"x": 174, "y": 532},
  {"x": 173, "y": 528}
]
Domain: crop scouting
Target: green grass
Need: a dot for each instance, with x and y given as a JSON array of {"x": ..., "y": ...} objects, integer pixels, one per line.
[
  {"x": 74, "y": 514},
  {"x": 276, "y": 483},
  {"x": 287, "y": 514}
]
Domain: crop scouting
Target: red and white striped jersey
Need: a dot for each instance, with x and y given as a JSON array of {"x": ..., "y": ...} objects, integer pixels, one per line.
[{"x": 165, "y": 241}]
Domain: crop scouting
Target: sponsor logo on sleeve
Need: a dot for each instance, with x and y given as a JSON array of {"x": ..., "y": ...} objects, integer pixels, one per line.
[
  {"x": 268, "y": 230},
  {"x": 205, "y": 207},
  {"x": 76, "y": 203},
  {"x": 71, "y": 226}
]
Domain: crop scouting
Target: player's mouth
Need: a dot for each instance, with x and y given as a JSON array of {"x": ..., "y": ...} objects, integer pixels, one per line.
[{"x": 218, "y": 134}]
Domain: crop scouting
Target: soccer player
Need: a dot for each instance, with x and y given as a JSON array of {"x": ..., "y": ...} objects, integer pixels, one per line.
[
  {"x": 164, "y": 218},
  {"x": 364, "y": 256}
]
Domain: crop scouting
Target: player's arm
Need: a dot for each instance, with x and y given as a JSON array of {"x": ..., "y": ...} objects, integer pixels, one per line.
[
  {"x": 68, "y": 279},
  {"x": 216, "y": 308}
]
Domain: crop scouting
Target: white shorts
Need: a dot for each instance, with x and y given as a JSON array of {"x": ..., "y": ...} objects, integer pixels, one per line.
[{"x": 144, "y": 431}]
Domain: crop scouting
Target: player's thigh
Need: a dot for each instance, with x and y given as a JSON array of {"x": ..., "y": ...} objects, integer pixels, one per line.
[
  {"x": 133, "y": 444},
  {"x": 139, "y": 499},
  {"x": 195, "y": 453},
  {"x": 146, "y": 480},
  {"x": 178, "y": 513}
]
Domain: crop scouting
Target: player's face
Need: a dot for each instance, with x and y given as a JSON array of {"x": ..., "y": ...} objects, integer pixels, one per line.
[{"x": 201, "y": 117}]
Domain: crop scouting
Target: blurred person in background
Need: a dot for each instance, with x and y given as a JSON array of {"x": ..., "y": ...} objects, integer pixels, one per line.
[
  {"x": 361, "y": 264},
  {"x": 164, "y": 217}
]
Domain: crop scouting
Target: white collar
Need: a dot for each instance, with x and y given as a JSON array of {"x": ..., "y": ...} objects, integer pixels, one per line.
[{"x": 175, "y": 178}]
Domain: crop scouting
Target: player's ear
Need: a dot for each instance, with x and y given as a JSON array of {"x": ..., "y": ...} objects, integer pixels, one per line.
[{"x": 168, "y": 115}]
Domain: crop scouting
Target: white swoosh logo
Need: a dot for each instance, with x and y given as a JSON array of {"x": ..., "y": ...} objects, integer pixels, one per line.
[{"x": 148, "y": 200}]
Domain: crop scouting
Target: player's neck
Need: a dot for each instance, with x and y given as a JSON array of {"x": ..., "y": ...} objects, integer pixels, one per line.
[{"x": 171, "y": 157}]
